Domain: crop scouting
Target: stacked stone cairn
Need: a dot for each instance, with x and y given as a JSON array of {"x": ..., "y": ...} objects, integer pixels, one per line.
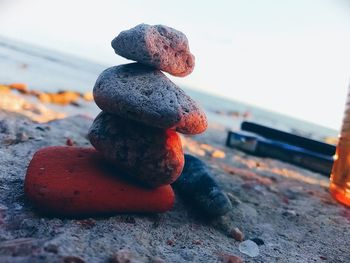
[
  {"x": 138, "y": 152},
  {"x": 142, "y": 109}
]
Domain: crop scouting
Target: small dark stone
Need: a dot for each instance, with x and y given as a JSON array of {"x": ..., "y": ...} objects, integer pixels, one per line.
[
  {"x": 40, "y": 128},
  {"x": 170, "y": 242},
  {"x": 289, "y": 213},
  {"x": 4, "y": 127},
  {"x": 69, "y": 142},
  {"x": 258, "y": 241},
  {"x": 198, "y": 186}
]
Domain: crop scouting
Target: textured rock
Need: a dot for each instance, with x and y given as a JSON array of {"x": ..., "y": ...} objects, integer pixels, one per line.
[
  {"x": 158, "y": 46},
  {"x": 138, "y": 92},
  {"x": 150, "y": 155},
  {"x": 200, "y": 188},
  {"x": 75, "y": 181}
]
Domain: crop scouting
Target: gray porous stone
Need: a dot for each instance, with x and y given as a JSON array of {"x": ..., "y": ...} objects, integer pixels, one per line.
[
  {"x": 150, "y": 155},
  {"x": 138, "y": 92},
  {"x": 158, "y": 46}
]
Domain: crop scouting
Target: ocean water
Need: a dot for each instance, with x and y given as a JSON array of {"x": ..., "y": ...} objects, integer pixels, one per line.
[{"x": 48, "y": 70}]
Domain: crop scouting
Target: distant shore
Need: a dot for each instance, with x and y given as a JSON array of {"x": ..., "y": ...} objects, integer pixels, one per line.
[
  {"x": 43, "y": 107},
  {"x": 47, "y": 72}
]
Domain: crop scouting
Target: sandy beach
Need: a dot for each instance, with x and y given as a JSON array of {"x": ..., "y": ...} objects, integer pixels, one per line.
[{"x": 283, "y": 208}]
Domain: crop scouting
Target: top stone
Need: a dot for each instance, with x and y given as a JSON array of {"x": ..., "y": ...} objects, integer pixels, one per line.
[{"x": 158, "y": 46}]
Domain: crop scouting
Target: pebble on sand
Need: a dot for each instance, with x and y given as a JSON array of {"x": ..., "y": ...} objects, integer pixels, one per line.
[
  {"x": 249, "y": 248},
  {"x": 237, "y": 234},
  {"x": 75, "y": 182}
]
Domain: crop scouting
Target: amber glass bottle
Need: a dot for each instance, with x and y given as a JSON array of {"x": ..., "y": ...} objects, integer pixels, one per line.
[{"x": 340, "y": 176}]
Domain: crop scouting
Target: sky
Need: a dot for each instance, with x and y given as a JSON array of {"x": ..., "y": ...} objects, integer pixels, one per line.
[{"x": 289, "y": 56}]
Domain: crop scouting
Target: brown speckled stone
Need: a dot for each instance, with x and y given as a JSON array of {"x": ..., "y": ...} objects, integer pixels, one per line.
[
  {"x": 138, "y": 92},
  {"x": 159, "y": 46},
  {"x": 152, "y": 156}
]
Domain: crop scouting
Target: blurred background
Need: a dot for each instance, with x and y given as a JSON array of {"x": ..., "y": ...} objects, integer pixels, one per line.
[{"x": 287, "y": 56}]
